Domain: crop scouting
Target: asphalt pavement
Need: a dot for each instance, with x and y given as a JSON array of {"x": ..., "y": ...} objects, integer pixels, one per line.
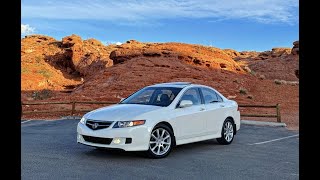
[{"x": 49, "y": 151}]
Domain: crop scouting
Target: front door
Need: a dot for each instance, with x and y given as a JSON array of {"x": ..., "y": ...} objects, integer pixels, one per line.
[{"x": 190, "y": 121}]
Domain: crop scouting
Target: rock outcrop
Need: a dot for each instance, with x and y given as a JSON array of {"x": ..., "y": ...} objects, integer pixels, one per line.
[
  {"x": 278, "y": 63},
  {"x": 61, "y": 61},
  {"x": 73, "y": 46},
  {"x": 196, "y": 55},
  {"x": 86, "y": 56},
  {"x": 295, "y": 49},
  {"x": 280, "y": 52}
]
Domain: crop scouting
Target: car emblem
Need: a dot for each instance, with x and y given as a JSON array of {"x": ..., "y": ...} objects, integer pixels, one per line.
[{"x": 95, "y": 125}]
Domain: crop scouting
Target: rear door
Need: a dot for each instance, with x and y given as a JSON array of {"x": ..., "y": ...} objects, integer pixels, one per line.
[
  {"x": 215, "y": 110},
  {"x": 190, "y": 121}
]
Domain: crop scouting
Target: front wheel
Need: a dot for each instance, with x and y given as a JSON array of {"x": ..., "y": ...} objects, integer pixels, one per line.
[
  {"x": 227, "y": 132},
  {"x": 161, "y": 141}
]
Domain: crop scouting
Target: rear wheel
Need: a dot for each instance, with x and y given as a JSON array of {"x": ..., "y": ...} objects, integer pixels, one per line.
[
  {"x": 227, "y": 132},
  {"x": 161, "y": 141}
]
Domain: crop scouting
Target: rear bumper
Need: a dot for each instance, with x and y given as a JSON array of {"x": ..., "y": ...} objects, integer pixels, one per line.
[
  {"x": 140, "y": 137},
  {"x": 237, "y": 120}
]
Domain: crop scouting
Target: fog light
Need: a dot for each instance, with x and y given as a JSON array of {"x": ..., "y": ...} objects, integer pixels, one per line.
[{"x": 117, "y": 140}]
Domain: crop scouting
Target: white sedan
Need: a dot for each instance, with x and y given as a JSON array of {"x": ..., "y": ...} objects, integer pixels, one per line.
[{"x": 156, "y": 118}]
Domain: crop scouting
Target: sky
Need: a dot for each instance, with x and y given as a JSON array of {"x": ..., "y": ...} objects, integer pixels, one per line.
[{"x": 243, "y": 25}]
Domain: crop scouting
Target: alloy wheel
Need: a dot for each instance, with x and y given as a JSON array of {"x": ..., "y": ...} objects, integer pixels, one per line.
[
  {"x": 228, "y": 131},
  {"x": 160, "y": 141}
]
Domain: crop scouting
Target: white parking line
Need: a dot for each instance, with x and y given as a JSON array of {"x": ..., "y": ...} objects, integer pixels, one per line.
[
  {"x": 275, "y": 140},
  {"x": 25, "y": 121},
  {"x": 41, "y": 122},
  {"x": 53, "y": 120}
]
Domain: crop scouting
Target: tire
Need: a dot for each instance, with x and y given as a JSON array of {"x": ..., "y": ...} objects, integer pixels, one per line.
[
  {"x": 161, "y": 142},
  {"x": 227, "y": 132}
]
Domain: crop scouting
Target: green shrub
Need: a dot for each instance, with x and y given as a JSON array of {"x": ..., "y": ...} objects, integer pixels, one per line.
[
  {"x": 253, "y": 73},
  {"x": 43, "y": 94},
  {"x": 24, "y": 71},
  {"x": 236, "y": 81},
  {"x": 277, "y": 81},
  {"x": 243, "y": 91},
  {"x": 45, "y": 73}
]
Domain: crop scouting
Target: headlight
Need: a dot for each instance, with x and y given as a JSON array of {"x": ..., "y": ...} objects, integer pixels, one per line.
[
  {"x": 83, "y": 120},
  {"x": 123, "y": 124}
]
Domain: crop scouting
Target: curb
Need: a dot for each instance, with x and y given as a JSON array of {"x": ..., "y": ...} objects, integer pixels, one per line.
[{"x": 263, "y": 123}]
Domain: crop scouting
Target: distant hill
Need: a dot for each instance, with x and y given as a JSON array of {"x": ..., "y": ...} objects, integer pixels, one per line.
[{"x": 77, "y": 69}]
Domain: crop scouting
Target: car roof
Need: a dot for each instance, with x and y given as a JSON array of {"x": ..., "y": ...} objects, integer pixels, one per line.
[
  {"x": 175, "y": 84},
  {"x": 185, "y": 84},
  {"x": 172, "y": 84}
]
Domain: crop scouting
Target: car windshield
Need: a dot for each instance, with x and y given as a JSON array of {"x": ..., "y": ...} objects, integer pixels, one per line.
[{"x": 157, "y": 96}]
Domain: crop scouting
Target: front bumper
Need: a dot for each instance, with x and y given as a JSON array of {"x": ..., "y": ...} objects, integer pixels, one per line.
[{"x": 140, "y": 137}]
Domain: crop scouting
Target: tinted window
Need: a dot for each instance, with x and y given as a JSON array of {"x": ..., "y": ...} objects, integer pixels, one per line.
[
  {"x": 210, "y": 96},
  {"x": 219, "y": 98},
  {"x": 192, "y": 95},
  {"x": 158, "y": 96}
]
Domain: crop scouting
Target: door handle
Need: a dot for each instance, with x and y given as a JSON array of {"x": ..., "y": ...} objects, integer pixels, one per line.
[
  {"x": 202, "y": 109},
  {"x": 221, "y": 105}
]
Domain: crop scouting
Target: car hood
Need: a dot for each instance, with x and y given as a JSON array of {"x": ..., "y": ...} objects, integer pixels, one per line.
[{"x": 120, "y": 112}]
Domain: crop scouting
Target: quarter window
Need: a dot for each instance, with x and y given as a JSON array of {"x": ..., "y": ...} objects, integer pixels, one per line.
[
  {"x": 210, "y": 96},
  {"x": 219, "y": 98}
]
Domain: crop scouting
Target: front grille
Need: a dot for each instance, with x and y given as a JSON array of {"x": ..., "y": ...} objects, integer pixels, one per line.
[
  {"x": 95, "y": 125},
  {"x": 97, "y": 140}
]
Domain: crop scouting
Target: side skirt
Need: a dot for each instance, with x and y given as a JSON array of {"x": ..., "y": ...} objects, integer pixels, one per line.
[{"x": 196, "y": 139}]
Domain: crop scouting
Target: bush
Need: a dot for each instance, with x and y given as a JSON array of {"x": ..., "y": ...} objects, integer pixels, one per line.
[
  {"x": 236, "y": 81},
  {"x": 243, "y": 91},
  {"x": 24, "y": 70},
  {"x": 277, "y": 81},
  {"x": 45, "y": 73},
  {"x": 293, "y": 83},
  {"x": 253, "y": 73},
  {"x": 43, "y": 94},
  {"x": 38, "y": 59}
]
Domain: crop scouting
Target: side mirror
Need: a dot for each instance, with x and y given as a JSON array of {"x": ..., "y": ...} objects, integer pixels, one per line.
[
  {"x": 121, "y": 100},
  {"x": 185, "y": 103}
]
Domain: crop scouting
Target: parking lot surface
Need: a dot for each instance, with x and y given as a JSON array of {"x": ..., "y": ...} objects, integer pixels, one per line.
[{"x": 49, "y": 151}]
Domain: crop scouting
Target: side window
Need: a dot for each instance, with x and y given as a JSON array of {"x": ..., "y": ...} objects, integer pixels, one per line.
[
  {"x": 219, "y": 98},
  {"x": 210, "y": 96},
  {"x": 192, "y": 95}
]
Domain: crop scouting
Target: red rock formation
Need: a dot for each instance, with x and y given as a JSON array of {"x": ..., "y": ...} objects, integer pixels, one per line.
[
  {"x": 295, "y": 49},
  {"x": 88, "y": 70}
]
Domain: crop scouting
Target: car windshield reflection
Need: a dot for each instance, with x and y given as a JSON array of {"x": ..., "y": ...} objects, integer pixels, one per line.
[{"x": 155, "y": 96}]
